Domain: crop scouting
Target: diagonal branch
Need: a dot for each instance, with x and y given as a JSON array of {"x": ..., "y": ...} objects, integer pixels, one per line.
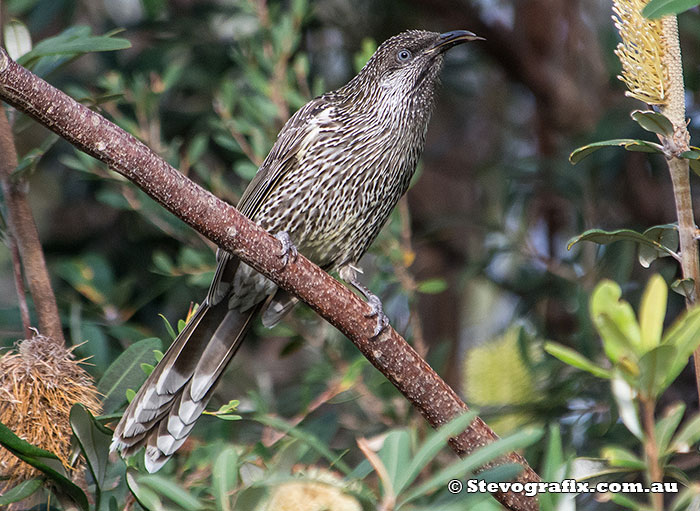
[{"x": 225, "y": 226}]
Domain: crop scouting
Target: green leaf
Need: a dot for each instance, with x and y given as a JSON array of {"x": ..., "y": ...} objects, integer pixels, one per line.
[
  {"x": 654, "y": 122},
  {"x": 575, "y": 359},
  {"x": 628, "y": 143},
  {"x": 652, "y": 311},
  {"x": 45, "y": 461},
  {"x": 73, "y": 42},
  {"x": 684, "y": 336},
  {"x": 225, "y": 478},
  {"x": 20, "y": 492},
  {"x": 554, "y": 457},
  {"x": 308, "y": 438},
  {"x": 147, "y": 498},
  {"x": 666, "y": 235},
  {"x": 615, "y": 321},
  {"x": 168, "y": 327},
  {"x": 693, "y": 157},
  {"x": 395, "y": 455},
  {"x": 170, "y": 490},
  {"x": 432, "y": 286},
  {"x": 692, "y": 154},
  {"x": 94, "y": 440},
  {"x": 684, "y": 287},
  {"x": 620, "y": 457},
  {"x": 666, "y": 426},
  {"x": 688, "y": 436},
  {"x": 604, "y": 237},
  {"x": 15, "y": 444},
  {"x": 18, "y": 41},
  {"x": 164, "y": 265},
  {"x": 125, "y": 372},
  {"x": 624, "y": 397},
  {"x": 477, "y": 459},
  {"x": 657, "y": 8},
  {"x": 623, "y": 500},
  {"x": 653, "y": 369},
  {"x": 554, "y": 466},
  {"x": 431, "y": 447},
  {"x": 685, "y": 499},
  {"x": 225, "y": 411}
]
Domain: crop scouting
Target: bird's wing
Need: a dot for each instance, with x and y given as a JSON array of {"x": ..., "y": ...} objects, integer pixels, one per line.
[
  {"x": 292, "y": 140},
  {"x": 296, "y": 134}
]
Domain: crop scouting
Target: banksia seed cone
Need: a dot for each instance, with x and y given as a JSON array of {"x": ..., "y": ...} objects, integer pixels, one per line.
[{"x": 39, "y": 383}]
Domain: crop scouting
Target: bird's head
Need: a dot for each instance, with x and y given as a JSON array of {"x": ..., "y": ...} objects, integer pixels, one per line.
[{"x": 409, "y": 63}]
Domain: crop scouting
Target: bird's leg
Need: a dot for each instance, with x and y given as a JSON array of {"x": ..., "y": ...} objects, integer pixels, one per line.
[
  {"x": 349, "y": 274},
  {"x": 289, "y": 251}
]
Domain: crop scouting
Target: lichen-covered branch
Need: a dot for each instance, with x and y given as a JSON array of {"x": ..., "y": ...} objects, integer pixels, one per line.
[{"x": 226, "y": 227}]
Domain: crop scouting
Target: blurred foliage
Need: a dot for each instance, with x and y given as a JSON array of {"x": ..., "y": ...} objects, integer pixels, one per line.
[{"x": 476, "y": 257}]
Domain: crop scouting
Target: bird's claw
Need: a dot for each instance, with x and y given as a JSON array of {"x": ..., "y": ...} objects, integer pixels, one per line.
[
  {"x": 377, "y": 311},
  {"x": 289, "y": 251}
]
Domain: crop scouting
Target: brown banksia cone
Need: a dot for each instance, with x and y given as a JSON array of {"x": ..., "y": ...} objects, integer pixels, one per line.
[{"x": 40, "y": 380}]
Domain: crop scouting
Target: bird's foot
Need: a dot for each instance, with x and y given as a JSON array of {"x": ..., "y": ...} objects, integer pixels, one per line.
[
  {"x": 378, "y": 312},
  {"x": 289, "y": 251},
  {"x": 349, "y": 274}
]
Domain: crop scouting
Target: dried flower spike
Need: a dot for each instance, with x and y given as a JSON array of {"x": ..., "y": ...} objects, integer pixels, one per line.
[{"x": 39, "y": 382}]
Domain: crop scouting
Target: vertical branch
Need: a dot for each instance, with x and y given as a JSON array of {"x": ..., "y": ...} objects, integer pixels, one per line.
[
  {"x": 674, "y": 109},
  {"x": 652, "y": 451},
  {"x": 19, "y": 284},
  {"x": 23, "y": 230}
]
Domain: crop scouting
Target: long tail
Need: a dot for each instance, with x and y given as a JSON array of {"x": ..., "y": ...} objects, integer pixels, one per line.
[{"x": 165, "y": 409}]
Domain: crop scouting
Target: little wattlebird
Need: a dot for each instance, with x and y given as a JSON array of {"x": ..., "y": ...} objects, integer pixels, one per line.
[{"x": 335, "y": 173}]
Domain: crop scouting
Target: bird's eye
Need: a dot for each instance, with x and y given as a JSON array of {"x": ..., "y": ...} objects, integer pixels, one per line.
[{"x": 403, "y": 55}]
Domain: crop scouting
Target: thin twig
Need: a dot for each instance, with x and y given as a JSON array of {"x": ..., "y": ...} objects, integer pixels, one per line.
[
  {"x": 19, "y": 285},
  {"x": 408, "y": 282},
  {"x": 22, "y": 227}
]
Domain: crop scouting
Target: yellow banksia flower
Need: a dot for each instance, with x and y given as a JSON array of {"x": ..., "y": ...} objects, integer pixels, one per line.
[{"x": 641, "y": 52}]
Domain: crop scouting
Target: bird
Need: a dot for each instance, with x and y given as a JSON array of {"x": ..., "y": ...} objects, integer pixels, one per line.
[{"x": 336, "y": 171}]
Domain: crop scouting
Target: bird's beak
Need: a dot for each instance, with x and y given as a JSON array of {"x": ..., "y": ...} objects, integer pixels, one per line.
[{"x": 450, "y": 39}]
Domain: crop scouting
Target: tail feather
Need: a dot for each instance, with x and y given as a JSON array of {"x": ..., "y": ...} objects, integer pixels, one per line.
[
  {"x": 218, "y": 352},
  {"x": 165, "y": 409}
]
